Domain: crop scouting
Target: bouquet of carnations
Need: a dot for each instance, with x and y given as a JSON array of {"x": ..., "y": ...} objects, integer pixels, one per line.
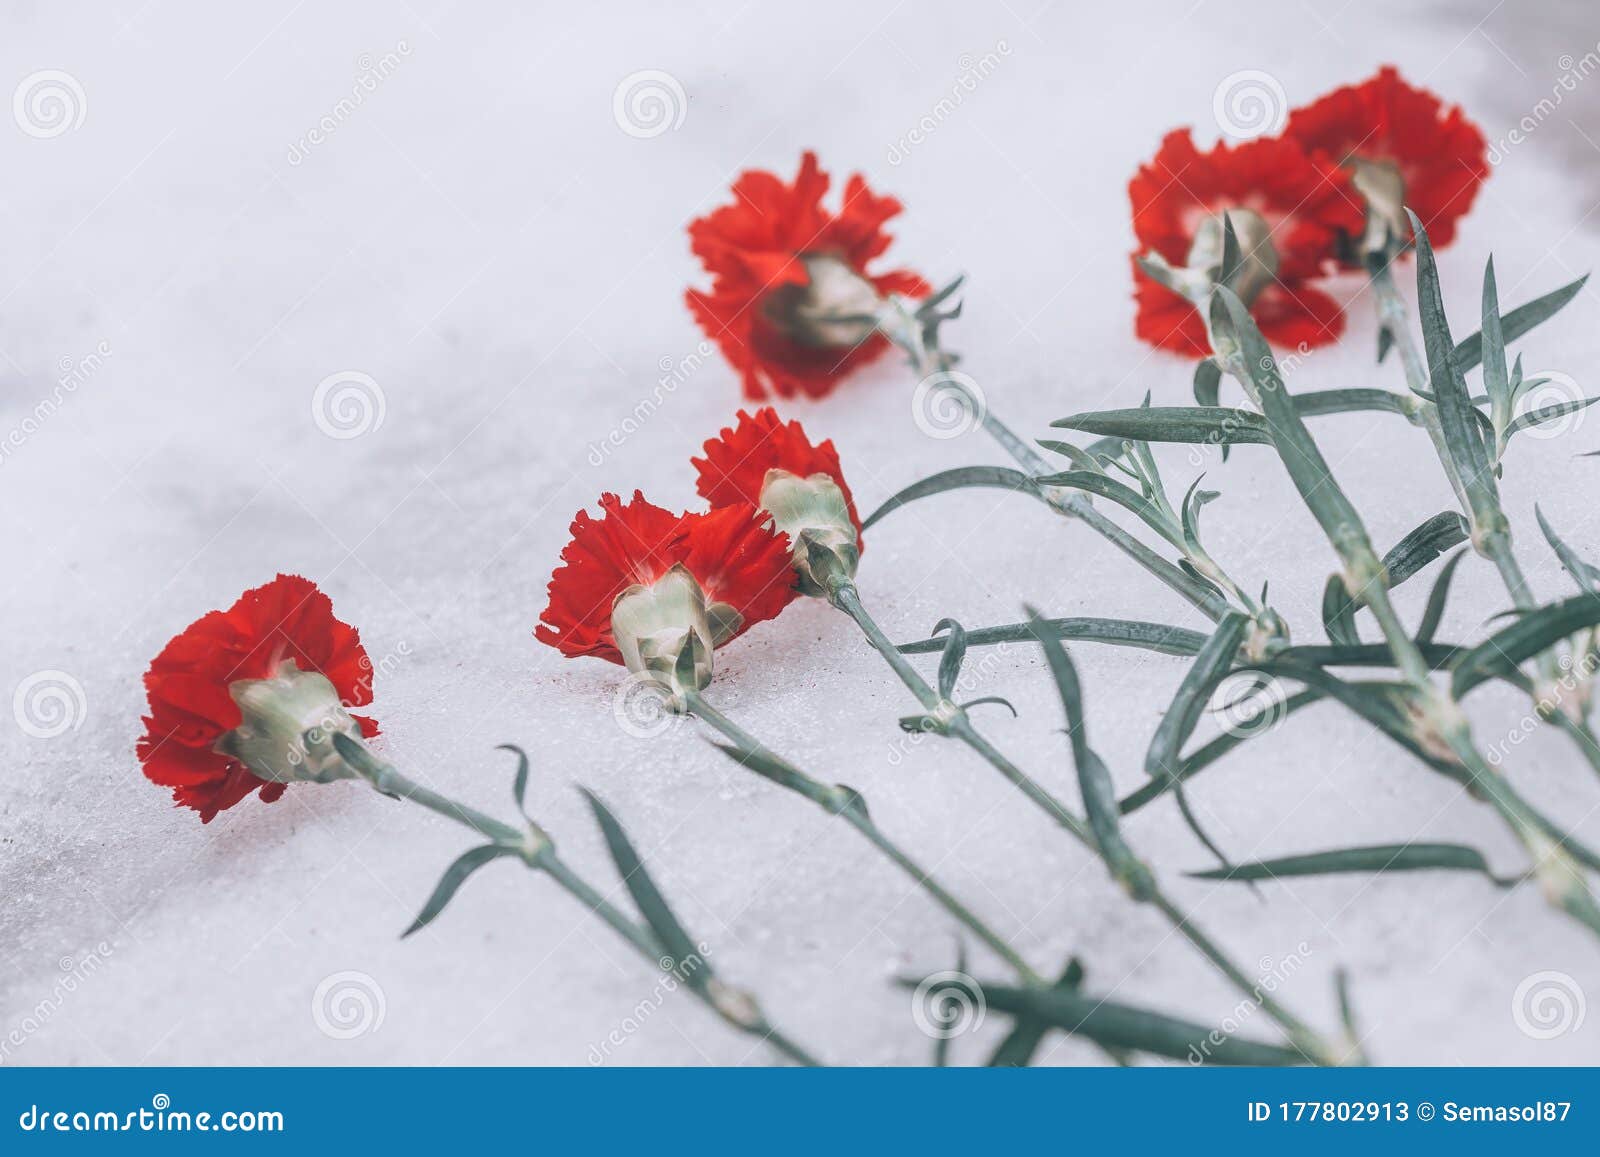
[{"x": 1235, "y": 249}]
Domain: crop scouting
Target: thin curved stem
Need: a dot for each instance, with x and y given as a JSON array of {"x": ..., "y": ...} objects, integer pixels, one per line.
[
  {"x": 838, "y": 802},
  {"x": 538, "y": 853},
  {"x": 847, "y": 599}
]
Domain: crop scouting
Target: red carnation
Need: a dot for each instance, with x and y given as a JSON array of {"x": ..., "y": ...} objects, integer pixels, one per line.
[
  {"x": 1404, "y": 148},
  {"x": 1289, "y": 211},
  {"x": 737, "y": 460},
  {"x": 774, "y": 465},
  {"x": 790, "y": 285},
  {"x": 273, "y": 631},
  {"x": 739, "y": 565}
]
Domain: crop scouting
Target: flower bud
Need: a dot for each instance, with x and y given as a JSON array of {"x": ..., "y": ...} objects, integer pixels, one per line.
[
  {"x": 287, "y": 727},
  {"x": 813, "y": 513},
  {"x": 836, "y": 309},
  {"x": 666, "y": 631}
]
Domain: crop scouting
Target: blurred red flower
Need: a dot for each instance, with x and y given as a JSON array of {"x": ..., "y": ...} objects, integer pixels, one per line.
[
  {"x": 1403, "y": 147},
  {"x": 790, "y": 284}
]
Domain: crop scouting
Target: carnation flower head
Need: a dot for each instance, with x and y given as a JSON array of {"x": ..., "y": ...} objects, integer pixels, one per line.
[
  {"x": 774, "y": 465},
  {"x": 641, "y": 585},
  {"x": 228, "y": 697},
  {"x": 792, "y": 300},
  {"x": 1403, "y": 148},
  {"x": 1288, "y": 210}
]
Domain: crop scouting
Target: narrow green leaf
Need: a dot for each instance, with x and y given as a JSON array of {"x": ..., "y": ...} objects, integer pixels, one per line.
[
  {"x": 652, "y": 905},
  {"x": 1414, "y": 857},
  {"x": 998, "y": 477},
  {"x": 1207, "y": 755},
  {"x": 1339, "y": 613},
  {"x": 454, "y": 876},
  {"x": 1114, "y": 1025},
  {"x": 1385, "y": 342},
  {"x": 1586, "y": 576},
  {"x": 1424, "y": 544},
  {"x": 1211, "y": 665},
  {"x": 1408, "y": 556},
  {"x": 955, "y": 650},
  {"x": 1530, "y": 634},
  {"x": 1027, "y": 1034},
  {"x": 1163, "y": 760},
  {"x": 1496, "y": 376},
  {"x": 1158, "y": 637},
  {"x": 1120, "y": 493},
  {"x": 1203, "y": 425},
  {"x": 1094, "y": 778},
  {"x": 1437, "y": 598},
  {"x": 1207, "y": 382},
  {"x": 519, "y": 788},
  {"x": 1319, "y": 403},
  {"x": 1542, "y": 414},
  {"x": 1469, "y": 351},
  {"x": 1463, "y": 439}
]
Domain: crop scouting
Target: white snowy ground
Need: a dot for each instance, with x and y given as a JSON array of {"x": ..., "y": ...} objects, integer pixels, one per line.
[{"x": 481, "y": 238}]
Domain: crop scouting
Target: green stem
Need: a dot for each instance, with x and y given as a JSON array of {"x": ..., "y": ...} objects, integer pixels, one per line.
[
  {"x": 846, "y": 598},
  {"x": 838, "y": 802},
  {"x": 1068, "y": 503},
  {"x": 1496, "y": 547},
  {"x": 539, "y": 854}
]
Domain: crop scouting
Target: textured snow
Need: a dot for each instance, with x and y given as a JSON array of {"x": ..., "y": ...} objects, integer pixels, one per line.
[{"x": 481, "y": 239}]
